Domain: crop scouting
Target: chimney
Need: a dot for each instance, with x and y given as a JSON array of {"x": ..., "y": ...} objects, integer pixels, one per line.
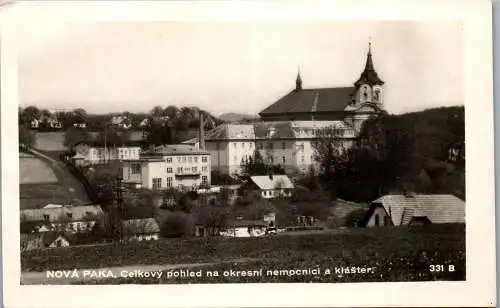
[{"x": 201, "y": 139}]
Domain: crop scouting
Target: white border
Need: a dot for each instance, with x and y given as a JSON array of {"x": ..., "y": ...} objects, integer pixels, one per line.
[{"x": 478, "y": 290}]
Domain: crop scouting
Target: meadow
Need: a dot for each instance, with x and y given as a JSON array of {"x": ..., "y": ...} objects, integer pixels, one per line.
[
  {"x": 33, "y": 170},
  {"x": 397, "y": 254}
]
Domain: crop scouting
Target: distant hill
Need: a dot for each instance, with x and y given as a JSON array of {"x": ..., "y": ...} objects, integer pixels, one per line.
[{"x": 236, "y": 117}]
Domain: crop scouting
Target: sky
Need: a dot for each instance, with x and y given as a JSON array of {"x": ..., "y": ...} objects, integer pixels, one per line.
[{"x": 232, "y": 66}]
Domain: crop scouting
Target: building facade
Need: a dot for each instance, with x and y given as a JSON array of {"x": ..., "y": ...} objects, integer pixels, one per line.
[
  {"x": 93, "y": 153},
  {"x": 170, "y": 166},
  {"x": 291, "y": 126}
]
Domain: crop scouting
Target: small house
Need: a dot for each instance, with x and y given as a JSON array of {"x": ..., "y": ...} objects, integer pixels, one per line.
[
  {"x": 414, "y": 209},
  {"x": 271, "y": 186},
  {"x": 141, "y": 229},
  {"x": 71, "y": 219},
  {"x": 245, "y": 228}
]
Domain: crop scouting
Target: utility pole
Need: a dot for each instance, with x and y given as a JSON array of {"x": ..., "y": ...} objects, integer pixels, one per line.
[{"x": 119, "y": 189}]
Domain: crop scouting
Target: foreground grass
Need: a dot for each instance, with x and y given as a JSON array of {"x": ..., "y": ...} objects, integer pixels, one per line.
[{"x": 396, "y": 254}]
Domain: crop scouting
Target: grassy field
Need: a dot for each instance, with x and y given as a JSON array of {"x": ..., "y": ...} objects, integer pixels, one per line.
[
  {"x": 397, "y": 254},
  {"x": 50, "y": 141},
  {"x": 34, "y": 171}
]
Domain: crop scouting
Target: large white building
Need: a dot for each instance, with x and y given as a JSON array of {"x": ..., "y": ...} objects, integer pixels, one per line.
[
  {"x": 92, "y": 153},
  {"x": 292, "y": 124},
  {"x": 169, "y": 166}
]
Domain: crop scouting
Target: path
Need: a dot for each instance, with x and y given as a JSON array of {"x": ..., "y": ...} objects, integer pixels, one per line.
[{"x": 30, "y": 278}]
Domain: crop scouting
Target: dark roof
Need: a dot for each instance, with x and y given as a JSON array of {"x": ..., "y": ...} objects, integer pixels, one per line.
[
  {"x": 246, "y": 223},
  {"x": 369, "y": 75},
  {"x": 311, "y": 100}
]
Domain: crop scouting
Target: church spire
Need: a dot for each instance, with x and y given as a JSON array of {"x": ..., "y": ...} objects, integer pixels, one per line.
[
  {"x": 369, "y": 75},
  {"x": 298, "y": 81}
]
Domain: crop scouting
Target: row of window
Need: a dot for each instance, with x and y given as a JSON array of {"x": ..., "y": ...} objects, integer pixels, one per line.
[
  {"x": 157, "y": 182},
  {"x": 242, "y": 144},
  {"x": 188, "y": 159}
]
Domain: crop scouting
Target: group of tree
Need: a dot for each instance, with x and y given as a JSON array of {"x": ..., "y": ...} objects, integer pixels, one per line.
[
  {"x": 395, "y": 153},
  {"x": 257, "y": 165}
]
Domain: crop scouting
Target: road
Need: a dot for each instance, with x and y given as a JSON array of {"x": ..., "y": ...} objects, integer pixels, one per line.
[{"x": 35, "y": 278}]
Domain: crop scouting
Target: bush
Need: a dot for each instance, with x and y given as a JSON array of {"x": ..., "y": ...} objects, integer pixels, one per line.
[{"x": 174, "y": 225}]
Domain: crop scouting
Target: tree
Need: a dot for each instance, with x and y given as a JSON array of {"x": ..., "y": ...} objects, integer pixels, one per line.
[
  {"x": 79, "y": 115},
  {"x": 26, "y": 137},
  {"x": 29, "y": 114},
  {"x": 75, "y": 135},
  {"x": 255, "y": 165},
  {"x": 113, "y": 137},
  {"x": 174, "y": 225},
  {"x": 213, "y": 219}
]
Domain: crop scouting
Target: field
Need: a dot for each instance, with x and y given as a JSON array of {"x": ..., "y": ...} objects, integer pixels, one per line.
[
  {"x": 396, "y": 254},
  {"x": 50, "y": 141},
  {"x": 34, "y": 171},
  {"x": 44, "y": 181}
]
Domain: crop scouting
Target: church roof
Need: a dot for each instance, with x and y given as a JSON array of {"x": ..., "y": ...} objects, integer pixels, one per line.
[
  {"x": 311, "y": 100},
  {"x": 369, "y": 75}
]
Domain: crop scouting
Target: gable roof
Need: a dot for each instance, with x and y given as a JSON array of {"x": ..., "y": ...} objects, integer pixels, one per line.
[
  {"x": 311, "y": 100},
  {"x": 140, "y": 226},
  {"x": 437, "y": 208},
  {"x": 232, "y": 132},
  {"x": 78, "y": 213},
  {"x": 272, "y": 182}
]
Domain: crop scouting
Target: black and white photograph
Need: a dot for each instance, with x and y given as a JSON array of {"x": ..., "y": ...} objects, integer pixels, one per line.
[{"x": 286, "y": 151}]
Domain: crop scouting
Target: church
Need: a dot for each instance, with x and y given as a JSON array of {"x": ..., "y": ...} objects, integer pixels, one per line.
[
  {"x": 289, "y": 127},
  {"x": 350, "y": 104}
]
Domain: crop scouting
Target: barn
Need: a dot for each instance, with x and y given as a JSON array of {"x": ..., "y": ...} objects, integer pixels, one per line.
[{"x": 414, "y": 209}]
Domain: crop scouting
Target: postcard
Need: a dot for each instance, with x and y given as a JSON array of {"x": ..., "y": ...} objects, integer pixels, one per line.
[{"x": 244, "y": 154}]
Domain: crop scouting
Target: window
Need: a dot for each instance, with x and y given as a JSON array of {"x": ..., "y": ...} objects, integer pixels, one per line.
[
  {"x": 136, "y": 168},
  {"x": 204, "y": 159},
  {"x": 190, "y": 159},
  {"x": 270, "y": 146},
  {"x": 169, "y": 182},
  {"x": 179, "y": 170},
  {"x": 184, "y": 159},
  {"x": 250, "y": 145},
  {"x": 169, "y": 170},
  {"x": 217, "y": 145},
  {"x": 271, "y": 159},
  {"x": 204, "y": 179},
  {"x": 302, "y": 159},
  {"x": 195, "y": 169},
  {"x": 46, "y": 217},
  {"x": 156, "y": 183},
  {"x": 283, "y": 159},
  {"x": 169, "y": 159},
  {"x": 283, "y": 145},
  {"x": 204, "y": 169},
  {"x": 377, "y": 220},
  {"x": 195, "y": 159},
  {"x": 261, "y": 145},
  {"x": 377, "y": 95},
  {"x": 235, "y": 159},
  {"x": 70, "y": 215},
  {"x": 235, "y": 145},
  {"x": 243, "y": 145},
  {"x": 178, "y": 159}
]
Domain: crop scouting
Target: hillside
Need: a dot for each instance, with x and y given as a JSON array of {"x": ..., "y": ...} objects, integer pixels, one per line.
[
  {"x": 421, "y": 151},
  {"x": 236, "y": 117}
]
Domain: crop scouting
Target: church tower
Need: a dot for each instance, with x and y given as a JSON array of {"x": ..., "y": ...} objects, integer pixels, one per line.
[
  {"x": 369, "y": 86},
  {"x": 298, "y": 82}
]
